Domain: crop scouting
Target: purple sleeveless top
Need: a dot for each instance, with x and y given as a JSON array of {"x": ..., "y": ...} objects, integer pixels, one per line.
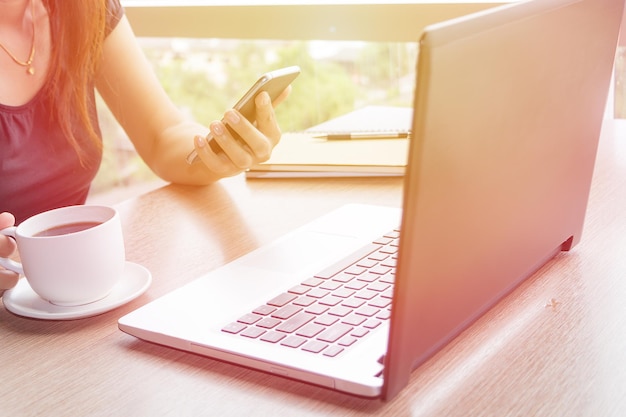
[{"x": 39, "y": 170}]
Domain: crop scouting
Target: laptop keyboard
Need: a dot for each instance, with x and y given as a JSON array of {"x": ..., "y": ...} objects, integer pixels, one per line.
[{"x": 332, "y": 310}]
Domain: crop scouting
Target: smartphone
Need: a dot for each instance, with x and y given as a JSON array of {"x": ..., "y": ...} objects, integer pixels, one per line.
[{"x": 274, "y": 82}]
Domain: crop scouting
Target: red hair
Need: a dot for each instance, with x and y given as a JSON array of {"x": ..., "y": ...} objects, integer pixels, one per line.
[{"x": 78, "y": 30}]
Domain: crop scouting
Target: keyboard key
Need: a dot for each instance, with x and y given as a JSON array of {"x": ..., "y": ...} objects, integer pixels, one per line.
[
  {"x": 384, "y": 315},
  {"x": 294, "y": 323},
  {"x": 378, "y": 286},
  {"x": 367, "y": 311},
  {"x": 367, "y": 262},
  {"x": 282, "y": 300},
  {"x": 333, "y": 351},
  {"x": 359, "y": 332},
  {"x": 330, "y": 285},
  {"x": 326, "y": 320},
  {"x": 286, "y": 312},
  {"x": 395, "y": 234},
  {"x": 299, "y": 289},
  {"x": 384, "y": 240},
  {"x": 380, "y": 302},
  {"x": 353, "y": 302},
  {"x": 344, "y": 292},
  {"x": 340, "y": 311},
  {"x": 347, "y": 341},
  {"x": 331, "y": 300},
  {"x": 356, "y": 285},
  {"x": 234, "y": 328},
  {"x": 249, "y": 318},
  {"x": 343, "y": 277},
  {"x": 380, "y": 270},
  {"x": 312, "y": 282},
  {"x": 391, "y": 263},
  {"x": 355, "y": 270},
  {"x": 318, "y": 293},
  {"x": 253, "y": 332},
  {"x": 314, "y": 346},
  {"x": 366, "y": 294},
  {"x": 372, "y": 324},
  {"x": 310, "y": 330},
  {"x": 378, "y": 256},
  {"x": 268, "y": 323},
  {"x": 334, "y": 333},
  {"x": 293, "y": 341},
  {"x": 353, "y": 320},
  {"x": 272, "y": 337},
  {"x": 388, "y": 293},
  {"x": 305, "y": 301},
  {"x": 317, "y": 309},
  {"x": 389, "y": 250},
  {"x": 368, "y": 277},
  {"x": 389, "y": 278},
  {"x": 264, "y": 310}
]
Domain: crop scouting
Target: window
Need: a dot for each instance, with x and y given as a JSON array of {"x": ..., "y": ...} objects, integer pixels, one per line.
[{"x": 353, "y": 54}]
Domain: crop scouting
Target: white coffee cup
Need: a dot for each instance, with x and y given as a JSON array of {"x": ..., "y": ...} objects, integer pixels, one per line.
[{"x": 71, "y": 255}]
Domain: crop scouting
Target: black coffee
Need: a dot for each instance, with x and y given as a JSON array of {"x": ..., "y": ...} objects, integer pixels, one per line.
[{"x": 68, "y": 228}]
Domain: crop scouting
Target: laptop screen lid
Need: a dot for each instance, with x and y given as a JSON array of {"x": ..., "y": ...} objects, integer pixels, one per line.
[{"x": 508, "y": 111}]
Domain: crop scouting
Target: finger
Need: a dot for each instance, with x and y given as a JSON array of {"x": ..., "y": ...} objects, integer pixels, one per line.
[
  {"x": 7, "y": 245},
  {"x": 6, "y": 220},
  {"x": 266, "y": 118},
  {"x": 252, "y": 140},
  {"x": 8, "y": 279},
  {"x": 213, "y": 156},
  {"x": 238, "y": 152}
]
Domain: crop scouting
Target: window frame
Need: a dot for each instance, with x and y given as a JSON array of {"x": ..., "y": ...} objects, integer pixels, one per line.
[{"x": 403, "y": 21}]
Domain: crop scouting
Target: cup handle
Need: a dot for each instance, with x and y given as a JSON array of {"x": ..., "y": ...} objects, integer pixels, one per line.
[{"x": 7, "y": 263}]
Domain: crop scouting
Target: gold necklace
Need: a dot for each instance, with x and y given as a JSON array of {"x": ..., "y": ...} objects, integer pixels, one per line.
[{"x": 29, "y": 63}]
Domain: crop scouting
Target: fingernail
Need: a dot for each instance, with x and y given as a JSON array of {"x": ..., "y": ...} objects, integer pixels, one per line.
[
  {"x": 216, "y": 128},
  {"x": 232, "y": 117},
  {"x": 200, "y": 141}
]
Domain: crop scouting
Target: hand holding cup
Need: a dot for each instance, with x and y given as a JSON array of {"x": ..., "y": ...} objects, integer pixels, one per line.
[{"x": 8, "y": 278}]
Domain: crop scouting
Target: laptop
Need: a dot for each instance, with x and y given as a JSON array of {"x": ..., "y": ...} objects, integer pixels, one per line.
[{"x": 507, "y": 116}]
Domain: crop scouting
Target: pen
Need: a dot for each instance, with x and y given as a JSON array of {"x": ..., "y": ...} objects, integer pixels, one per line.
[{"x": 363, "y": 135}]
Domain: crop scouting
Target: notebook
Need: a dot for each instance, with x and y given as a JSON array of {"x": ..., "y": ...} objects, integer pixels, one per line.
[
  {"x": 373, "y": 119},
  {"x": 379, "y": 149},
  {"x": 507, "y": 115}
]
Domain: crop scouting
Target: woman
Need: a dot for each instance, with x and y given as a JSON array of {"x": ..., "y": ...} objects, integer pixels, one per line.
[{"x": 54, "y": 53}]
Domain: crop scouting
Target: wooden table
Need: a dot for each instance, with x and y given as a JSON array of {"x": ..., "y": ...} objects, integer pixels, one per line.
[{"x": 555, "y": 346}]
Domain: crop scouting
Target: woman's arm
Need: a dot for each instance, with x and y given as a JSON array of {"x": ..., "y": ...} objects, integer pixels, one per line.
[{"x": 160, "y": 132}]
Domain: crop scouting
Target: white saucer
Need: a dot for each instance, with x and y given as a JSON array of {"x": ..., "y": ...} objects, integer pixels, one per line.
[{"x": 23, "y": 301}]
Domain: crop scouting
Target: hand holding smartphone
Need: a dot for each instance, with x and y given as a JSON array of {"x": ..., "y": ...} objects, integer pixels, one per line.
[{"x": 274, "y": 82}]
